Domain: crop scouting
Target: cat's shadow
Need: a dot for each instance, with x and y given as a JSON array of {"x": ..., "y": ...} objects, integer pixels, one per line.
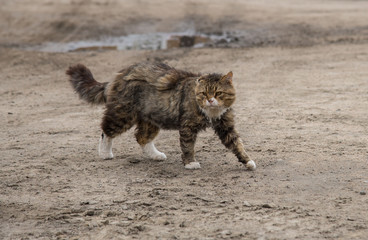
[
  {"x": 169, "y": 168},
  {"x": 172, "y": 167}
]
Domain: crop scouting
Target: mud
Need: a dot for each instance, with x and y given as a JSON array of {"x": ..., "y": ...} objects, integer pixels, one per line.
[
  {"x": 300, "y": 70},
  {"x": 150, "y": 41}
]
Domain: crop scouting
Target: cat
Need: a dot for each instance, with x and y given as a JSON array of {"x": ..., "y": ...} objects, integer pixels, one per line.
[{"x": 155, "y": 96}]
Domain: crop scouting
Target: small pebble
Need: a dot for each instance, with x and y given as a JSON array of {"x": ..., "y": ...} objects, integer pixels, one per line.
[
  {"x": 90, "y": 213},
  {"x": 134, "y": 160},
  {"x": 106, "y": 222},
  {"x": 131, "y": 216},
  {"x": 246, "y": 204},
  {"x": 111, "y": 214},
  {"x": 124, "y": 207},
  {"x": 268, "y": 205},
  {"x": 226, "y": 232},
  {"x": 140, "y": 228},
  {"x": 362, "y": 193}
]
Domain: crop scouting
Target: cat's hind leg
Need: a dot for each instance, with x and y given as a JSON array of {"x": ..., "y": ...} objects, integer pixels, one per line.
[
  {"x": 105, "y": 147},
  {"x": 115, "y": 122},
  {"x": 145, "y": 133}
]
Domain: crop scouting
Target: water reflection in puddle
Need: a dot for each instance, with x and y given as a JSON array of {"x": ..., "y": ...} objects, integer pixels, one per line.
[{"x": 150, "y": 41}]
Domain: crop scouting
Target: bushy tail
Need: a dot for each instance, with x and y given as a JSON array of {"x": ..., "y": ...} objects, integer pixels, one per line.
[{"x": 85, "y": 85}]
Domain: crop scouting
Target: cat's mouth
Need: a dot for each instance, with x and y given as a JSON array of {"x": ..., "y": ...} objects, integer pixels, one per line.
[
  {"x": 214, "y": 112},
  {"x": 212, "y": 105}
]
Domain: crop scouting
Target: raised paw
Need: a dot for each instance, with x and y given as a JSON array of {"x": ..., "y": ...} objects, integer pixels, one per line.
[
  {"x": 193, "y": 165},
  {"x": 150, "y": 151},
  {"x": 250, "y": 165},
  {"x": 158, "y": 156}
]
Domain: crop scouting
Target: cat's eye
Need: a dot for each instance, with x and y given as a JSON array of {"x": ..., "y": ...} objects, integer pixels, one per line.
[{"x": 218, "y": 94}]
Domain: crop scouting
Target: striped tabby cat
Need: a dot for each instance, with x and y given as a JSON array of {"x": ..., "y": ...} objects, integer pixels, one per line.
[{"x": 155, "y": 96}]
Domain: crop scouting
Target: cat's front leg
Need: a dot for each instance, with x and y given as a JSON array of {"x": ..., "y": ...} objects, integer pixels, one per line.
[
  {"x": 225, "y": 129},
  {"x": 187, "y": 141}
]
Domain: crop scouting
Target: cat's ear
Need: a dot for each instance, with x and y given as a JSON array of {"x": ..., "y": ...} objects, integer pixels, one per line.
[
  {"x": 198, "y": 80},
  {"x": 228, "y": 78}
]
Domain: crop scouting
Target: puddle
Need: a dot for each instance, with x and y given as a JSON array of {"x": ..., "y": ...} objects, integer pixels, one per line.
[{"x": 150, "y": 41}]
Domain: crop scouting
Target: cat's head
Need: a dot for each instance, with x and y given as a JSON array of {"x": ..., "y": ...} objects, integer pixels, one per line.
[{"x": 215, "y": 94}]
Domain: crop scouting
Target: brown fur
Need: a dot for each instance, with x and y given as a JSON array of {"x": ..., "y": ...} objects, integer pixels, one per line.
[
  {"x": 85, "y": 85},
  {"x": 155, "y": 96}
]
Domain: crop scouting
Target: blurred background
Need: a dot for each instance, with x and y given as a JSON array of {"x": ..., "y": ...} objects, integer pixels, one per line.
[{"x": 79, "y": 25}]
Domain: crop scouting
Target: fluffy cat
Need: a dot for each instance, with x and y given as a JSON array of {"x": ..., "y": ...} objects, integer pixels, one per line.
[{"x": 155, "y": 96}]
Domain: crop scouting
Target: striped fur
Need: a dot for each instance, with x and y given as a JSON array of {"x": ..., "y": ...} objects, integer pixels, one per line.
[
  {"x": 85, "y": 85},
  {"x": 155, "y": 96}
]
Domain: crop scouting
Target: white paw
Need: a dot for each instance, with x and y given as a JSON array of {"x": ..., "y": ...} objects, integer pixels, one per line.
[
  {"x": 150, "y": 151},
  {"x": 250, "y": 165},
  {"x": 105, "y": 147},
  {"x": 193, "y": 165},
  {"x": 106, "y": 155},
  {"x": 158, "y": 156}
]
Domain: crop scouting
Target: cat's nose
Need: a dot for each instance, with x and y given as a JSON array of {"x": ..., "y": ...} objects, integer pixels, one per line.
[{"x": 211, "y": 100}]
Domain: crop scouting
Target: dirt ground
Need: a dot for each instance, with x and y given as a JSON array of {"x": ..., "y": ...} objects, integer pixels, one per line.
[{"x": 301, "y": 74}]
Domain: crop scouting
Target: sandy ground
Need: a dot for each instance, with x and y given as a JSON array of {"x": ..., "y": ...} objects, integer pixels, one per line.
[{"x": 301, "y": 75}]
